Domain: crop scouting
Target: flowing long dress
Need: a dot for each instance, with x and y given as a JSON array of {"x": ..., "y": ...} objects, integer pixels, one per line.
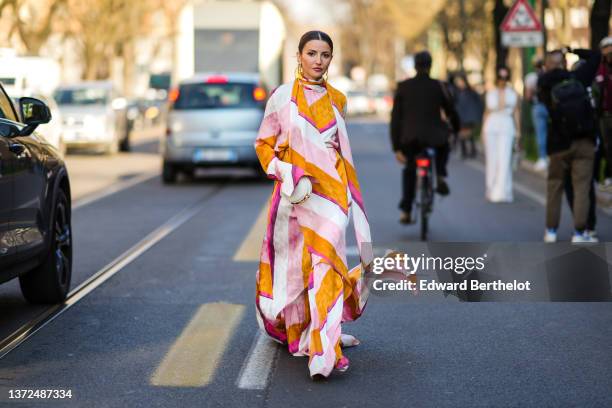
[
  {"x": 304, "y": 288},
  {"x": 499, "y": 132}
]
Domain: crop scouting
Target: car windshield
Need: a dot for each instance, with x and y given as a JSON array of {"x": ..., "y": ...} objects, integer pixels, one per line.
[
  {"x": 82, "y": 96},
  {"x": 211, "y": 96},
  {"x": 8, "y": 81}
]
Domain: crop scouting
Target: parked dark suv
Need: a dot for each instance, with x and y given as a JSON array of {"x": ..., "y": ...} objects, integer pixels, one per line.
[{"x": 35, "y": 228}]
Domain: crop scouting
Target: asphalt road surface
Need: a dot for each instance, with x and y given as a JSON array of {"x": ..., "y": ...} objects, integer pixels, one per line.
[{"x": 174, "y": 322}]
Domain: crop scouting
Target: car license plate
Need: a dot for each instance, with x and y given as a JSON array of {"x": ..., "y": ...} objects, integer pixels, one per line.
[
  {"x": 77, "y": 136},
  {"x": 204, "y": 155}
]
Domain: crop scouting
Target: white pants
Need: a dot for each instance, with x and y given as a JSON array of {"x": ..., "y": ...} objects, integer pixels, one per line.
[{"x": 498, "y": 135}]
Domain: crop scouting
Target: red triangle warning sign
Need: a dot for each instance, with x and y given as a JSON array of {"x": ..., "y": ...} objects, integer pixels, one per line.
[{"x": 521, "y": 18}]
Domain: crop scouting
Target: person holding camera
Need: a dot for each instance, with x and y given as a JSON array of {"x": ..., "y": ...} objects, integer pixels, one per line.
[{"x": 570, "y": 142}]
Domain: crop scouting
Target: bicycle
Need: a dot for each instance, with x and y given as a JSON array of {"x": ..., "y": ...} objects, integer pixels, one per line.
[{"x": 425, "y": 199}]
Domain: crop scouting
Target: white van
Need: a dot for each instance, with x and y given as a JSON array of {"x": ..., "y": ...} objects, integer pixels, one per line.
[{"x": 28, "y": 74}]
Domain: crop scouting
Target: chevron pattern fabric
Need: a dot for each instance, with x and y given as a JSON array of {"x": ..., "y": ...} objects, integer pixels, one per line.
[{"x": 304, "y": 288}]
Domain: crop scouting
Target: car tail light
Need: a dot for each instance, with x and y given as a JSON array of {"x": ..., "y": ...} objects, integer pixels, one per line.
[
  {"x": 216, "y": 79},
  {"x": 423, "y": 163},
  {"x": 173, "y": 95},
  {"x": 259, "y": 94}
]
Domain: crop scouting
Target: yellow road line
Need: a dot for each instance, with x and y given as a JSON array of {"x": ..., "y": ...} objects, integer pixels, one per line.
[
  {"x": 193, "y": 358},
  {"x": 251, "y": 246}
]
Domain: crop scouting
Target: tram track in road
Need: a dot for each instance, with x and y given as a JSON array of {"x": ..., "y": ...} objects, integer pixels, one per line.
[{"x": 28, "y": 329}]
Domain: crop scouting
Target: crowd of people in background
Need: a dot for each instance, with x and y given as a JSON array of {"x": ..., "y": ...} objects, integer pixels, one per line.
[{"x": 571, "y": 113}]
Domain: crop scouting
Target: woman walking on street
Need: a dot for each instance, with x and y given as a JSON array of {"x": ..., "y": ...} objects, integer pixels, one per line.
[
  {"x": 304, "y": 288},
  {"x": 469, "y": 107},
  {"x": 501, "y": 132}
]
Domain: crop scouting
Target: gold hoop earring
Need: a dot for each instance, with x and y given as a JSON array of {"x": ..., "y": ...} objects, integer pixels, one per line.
[{"x": 299, "y": 73}]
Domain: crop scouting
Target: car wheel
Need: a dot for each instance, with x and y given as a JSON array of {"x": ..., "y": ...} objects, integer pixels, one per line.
[
  {"x": 169, "y": 173},
  {"x": 189, "y": 174},
  {"x": 124, "y": 146},
  {"x": 50, "y": 281}
]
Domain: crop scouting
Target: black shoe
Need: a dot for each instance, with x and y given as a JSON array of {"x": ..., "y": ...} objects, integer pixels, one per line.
[{"x": 442, "y": 187}]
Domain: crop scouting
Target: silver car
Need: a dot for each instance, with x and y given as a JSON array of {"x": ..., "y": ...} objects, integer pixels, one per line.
[
  {"x": 212, "y": 121},
  {"x": 94, "y": 115}
]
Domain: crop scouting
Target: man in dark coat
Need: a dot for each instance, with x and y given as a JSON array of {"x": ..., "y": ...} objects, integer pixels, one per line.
[{"x": 416, "y": 124}]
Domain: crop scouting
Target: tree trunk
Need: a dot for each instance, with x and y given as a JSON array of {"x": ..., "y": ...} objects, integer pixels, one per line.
[
  {"x": 543, "y": 7},
  {"x": 599, "y": 21},
  {"x": 445, "y": 25},
  {"x": 501, "y": 52},
  {"x": 464, "y": 30},
  {"x": 89, "y": 66},
  {"x": 129, "y": 64}
]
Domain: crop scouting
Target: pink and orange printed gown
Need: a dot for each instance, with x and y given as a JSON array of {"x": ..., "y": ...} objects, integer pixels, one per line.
[{"x": 304, "y": 287}]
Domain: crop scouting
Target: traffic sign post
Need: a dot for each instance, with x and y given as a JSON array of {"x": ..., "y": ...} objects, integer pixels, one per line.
[
  {"x": 521, "y": 28},
  {"x": 530, "y": 52}
]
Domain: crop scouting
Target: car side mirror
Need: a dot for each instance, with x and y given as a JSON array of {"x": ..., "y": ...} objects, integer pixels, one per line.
[{"x": 34, "y": 112}]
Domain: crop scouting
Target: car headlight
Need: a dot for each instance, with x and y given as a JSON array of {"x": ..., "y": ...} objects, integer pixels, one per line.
[{"x": 177, "y": 127}]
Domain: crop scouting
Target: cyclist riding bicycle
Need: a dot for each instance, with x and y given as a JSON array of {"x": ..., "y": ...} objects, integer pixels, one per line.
[{"x": 417, "y": 124}]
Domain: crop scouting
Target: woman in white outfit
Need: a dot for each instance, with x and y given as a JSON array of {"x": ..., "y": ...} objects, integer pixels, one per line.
[{"x": 500, "y": 132}]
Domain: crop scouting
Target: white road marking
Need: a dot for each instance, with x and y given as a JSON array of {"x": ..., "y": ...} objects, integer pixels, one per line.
[
  {"x": 32, "y": 327},
  {"x": 255, "y": 372},
  {"x": 90, "y": 198}
]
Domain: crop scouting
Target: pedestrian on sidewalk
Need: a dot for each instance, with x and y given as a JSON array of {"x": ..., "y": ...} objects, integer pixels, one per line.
[
  {"x": 567, "y": 182},
  {"x": 469, "y": 107},
  {"x": 500, "y": 134},
  {"x": 304, "y": 288},
  {"x": 417, "y": 124},
  {"x": 603, "y": 81},
  {"x": 539, "y": 113},
  {"x": 571, "y": 137}
]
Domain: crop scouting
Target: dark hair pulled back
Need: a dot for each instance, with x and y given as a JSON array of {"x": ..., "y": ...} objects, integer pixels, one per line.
[
  {"x": 498, "y": 73},
  {"x": 315, "y": 35}
]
